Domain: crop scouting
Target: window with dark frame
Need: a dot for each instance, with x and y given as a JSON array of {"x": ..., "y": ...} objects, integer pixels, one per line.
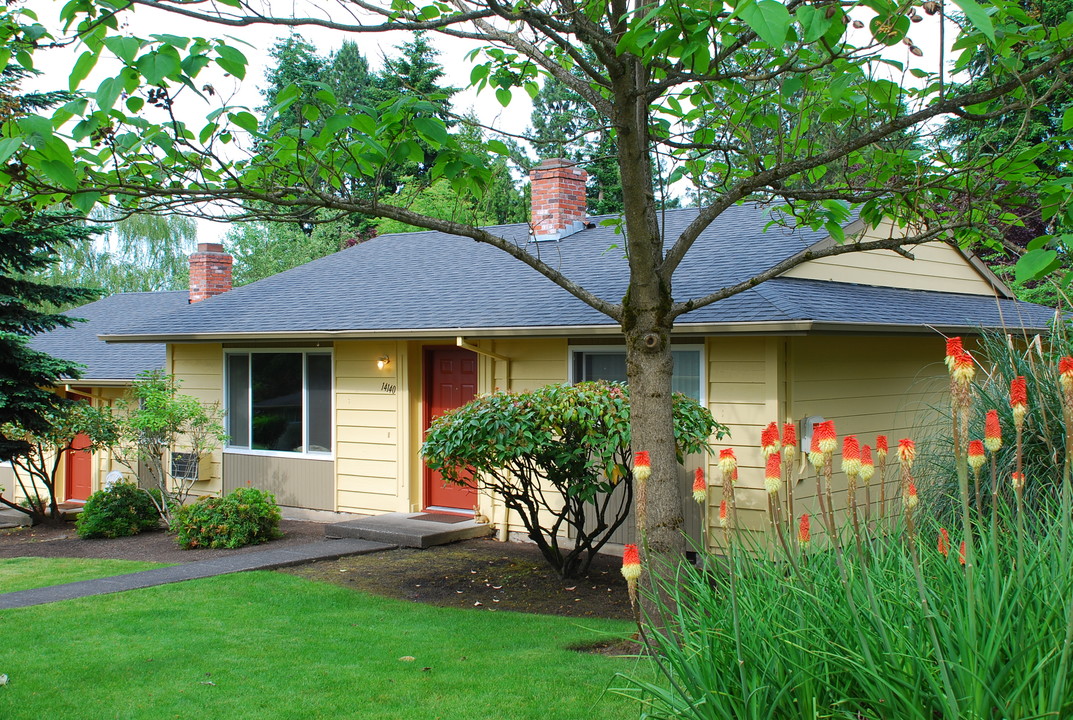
[
  {"x": 610, "y": 365},
  {"x": 280, "y": 401}
]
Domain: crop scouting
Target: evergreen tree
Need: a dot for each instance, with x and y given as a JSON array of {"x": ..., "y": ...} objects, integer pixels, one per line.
[{"x": 27, "y": 247}]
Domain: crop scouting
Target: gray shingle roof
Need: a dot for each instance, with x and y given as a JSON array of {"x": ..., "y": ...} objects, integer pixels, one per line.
[
  {"x": 103, "y": 361},
  {"x": 434, "y": 281}
]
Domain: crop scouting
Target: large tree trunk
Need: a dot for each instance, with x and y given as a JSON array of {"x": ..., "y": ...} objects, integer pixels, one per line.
[{"x": 646, "y": 324}]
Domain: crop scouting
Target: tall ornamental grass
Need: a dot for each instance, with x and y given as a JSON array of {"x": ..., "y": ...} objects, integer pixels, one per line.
[{"x": 870, "y": 614}]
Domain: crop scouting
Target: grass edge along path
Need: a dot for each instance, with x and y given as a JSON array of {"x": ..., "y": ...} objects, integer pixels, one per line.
[
  {"x": 25, "y": 573},
  {"x": 262, "y": 644}
]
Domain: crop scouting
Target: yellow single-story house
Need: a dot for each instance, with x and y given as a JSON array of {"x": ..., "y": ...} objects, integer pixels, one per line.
[
  {"x": 331, "y": 372},
  {"x": 107, "y": 375}
]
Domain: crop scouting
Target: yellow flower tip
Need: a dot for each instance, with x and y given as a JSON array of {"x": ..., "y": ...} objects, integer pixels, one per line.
[
  {"x": 727, "y": 462},
  {"x": 977, "y": 457},
  {"x": 817, "y": 459},
  {"x": 1019, "y": 412},
  {"x": 866, "y": 473},
  {"x": 700, "y": 496},
  {"x": 962, "y": 368},
  {"x": 772, "y": 485},
  {"x": 642, "y": 466},
  {"x": 789, "y": 452},
  {"x": 631, "y": 563},
  {"x": 910, "y": 498}
]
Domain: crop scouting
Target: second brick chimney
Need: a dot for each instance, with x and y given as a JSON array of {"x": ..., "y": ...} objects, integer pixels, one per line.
[
  {"x": 558, "y": 197},
  {"x": 210, "y": 271}
]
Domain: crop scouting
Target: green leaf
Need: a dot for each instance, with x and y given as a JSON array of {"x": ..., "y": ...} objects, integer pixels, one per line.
[
  {"x": 1034, "y": 264},
  {"x": 1067, "y": 119},
  {"x": 814, "y": 22},
  {"x": 108, "y": 92},
  {"x": 158, "y": 65},
  {"x": 503, "y": 96},
  {"x": 124, "y": 48},
  {"x": 8, "y": 146},
  {"x": 768, "y": 19},
  {"x": 432, "y": 130},
  {"x": 244, "y": 120},
  {"x": 978, "y": 17},
  {"x": 83, "y": 65},
  {"x": 231, "y": 60},
  {"x": 498, "y": 147},
  {"x": 85, "y": 201}
]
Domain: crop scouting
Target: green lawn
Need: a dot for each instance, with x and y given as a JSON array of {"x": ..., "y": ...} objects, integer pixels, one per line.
[
  {"x": 29, "y": 572},
  {"x": 268, "y": 645}
]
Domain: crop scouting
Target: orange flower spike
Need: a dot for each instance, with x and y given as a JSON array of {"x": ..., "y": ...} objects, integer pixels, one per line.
[
  {"x": 723, "y": 514},
  {"x": 977, "y": 458},
  {"x": 728, "y": 463},
  {"x": 642, "y": 465},
  {"x": 631, "y": 570},
  {"x": 1065, "y": 374},
  {"x": 963, "y": 370},
  {"x": 944, "y": 542},
  {"x": 881, "y": 446},
  {"x": 828, "y": 439},
  {"x": 868, "y": 466},
  {"x": 773, "y": 474},
  {"x": 961, "y": 553},
  {"x": 851, "y": 456},
  {"x": 1019, "y": 399},
  {"x": 769, "y": 439},
  {"x": 953, "y": 347},
  {"x": 804, "y": 534},
  {"x": 815, "y": 455},
  {"x": 907, "y": 452},
  {"x": 1018, "y": 481},
  {"x": 911, "y": 499},
  {"x": 700, "y": 486},
  {"x": 789, "y": 442},
  {"x": 992, "y": 431}
]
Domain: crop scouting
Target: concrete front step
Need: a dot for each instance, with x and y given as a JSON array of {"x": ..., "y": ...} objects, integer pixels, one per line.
[
  {"x": 13, "y": 518},
  {"x": 416, "y": 530}
]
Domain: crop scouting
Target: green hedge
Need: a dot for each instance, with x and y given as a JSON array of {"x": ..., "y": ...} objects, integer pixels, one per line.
[
  {"x": 120, "y": 511},
  {"x": 247, "y": 516}
]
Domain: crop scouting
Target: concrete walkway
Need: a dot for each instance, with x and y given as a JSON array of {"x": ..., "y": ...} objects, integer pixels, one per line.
[{"x": 267, "y": 559}]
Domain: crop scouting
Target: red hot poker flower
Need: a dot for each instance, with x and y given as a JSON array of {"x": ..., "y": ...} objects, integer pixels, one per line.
[
  {"x": 723, "y": 514},
  {"x": 911, "y": 498},
  {"x": 769, "y": 439},
  {"x": 944, "y": 542},
  {"x": 953, "y": 347},
  {"x": 962, "y": 368},
  {"x": 881, "y": 446},
  {"x": 642, "y": 465},
  {"x": 1018, "y": 399},
  {"x": 773, "y": 474},
  {"x": 804, "y": 534},
  {"x": 631, "y": 562},
  {"x": 976, "y": 455},
  {"x": 789, "y": 441},
  {"x": 728, "y": 463},
  {"x": 1065, "y": 373},
  {"x": 868, "y": 467},
  {"x": 700, "y": 486},
  {"x": 907, "y": 452},
  {"x": 828, "y": 439},
  {"x": 851, "y": 455},
  {"x": 961, "y": 553},
  {"x": 992, "y": 431}
]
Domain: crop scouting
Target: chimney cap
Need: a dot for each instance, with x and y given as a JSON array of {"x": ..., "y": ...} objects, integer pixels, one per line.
[{"x": 213, "y": 247}]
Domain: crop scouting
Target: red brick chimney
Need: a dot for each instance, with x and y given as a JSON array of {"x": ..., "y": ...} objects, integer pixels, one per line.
[
  {"x": 210, "y": 271},
  {"x": 558, "y": 192}
]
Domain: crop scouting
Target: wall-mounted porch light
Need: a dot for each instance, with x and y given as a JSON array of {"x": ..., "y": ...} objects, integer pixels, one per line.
[{"x": 382, "y": 362}]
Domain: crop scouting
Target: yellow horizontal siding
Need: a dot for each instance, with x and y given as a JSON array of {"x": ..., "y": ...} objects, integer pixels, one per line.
[
  {"x": 936, "y": 266},
  {"x": 199, "y": 369}
]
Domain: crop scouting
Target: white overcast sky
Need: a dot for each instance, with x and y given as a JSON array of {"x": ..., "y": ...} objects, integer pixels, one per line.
[{"x": 56, "y": 65}]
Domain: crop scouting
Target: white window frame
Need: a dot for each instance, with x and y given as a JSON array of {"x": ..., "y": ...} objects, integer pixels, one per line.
[
  {"x": 574, "y": 350},
  {"x": 303, "y": 351}
]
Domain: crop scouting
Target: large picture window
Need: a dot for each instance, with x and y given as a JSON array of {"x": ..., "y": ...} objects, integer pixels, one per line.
[
  {"x": 280, "y": 401},
  {"x": 600, "y": 363}
]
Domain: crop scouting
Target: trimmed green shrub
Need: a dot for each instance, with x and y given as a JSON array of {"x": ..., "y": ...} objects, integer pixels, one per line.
[
  {"x": 247, "y": 516},
  {"x": 120, "y": 511}
]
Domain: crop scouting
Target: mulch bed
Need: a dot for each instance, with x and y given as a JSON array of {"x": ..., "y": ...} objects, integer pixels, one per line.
[{"x": 482, "y": 575}]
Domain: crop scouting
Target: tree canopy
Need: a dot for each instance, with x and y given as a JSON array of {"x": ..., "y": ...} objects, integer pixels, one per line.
[{"x": 817, "y": 109}]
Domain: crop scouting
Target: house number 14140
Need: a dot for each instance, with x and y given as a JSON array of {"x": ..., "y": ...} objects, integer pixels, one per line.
[{"x": 388, "y": 388}]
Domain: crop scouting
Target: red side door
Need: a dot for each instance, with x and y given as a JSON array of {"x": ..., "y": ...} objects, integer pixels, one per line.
[
  {"x": 79, "y": 478},
  {"x": 450, "y": 382}
]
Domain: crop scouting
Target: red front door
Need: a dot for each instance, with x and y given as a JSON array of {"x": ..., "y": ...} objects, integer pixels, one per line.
[
  {"x": 79, "y": 469},
  {"x": 450, "y": 382}
]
